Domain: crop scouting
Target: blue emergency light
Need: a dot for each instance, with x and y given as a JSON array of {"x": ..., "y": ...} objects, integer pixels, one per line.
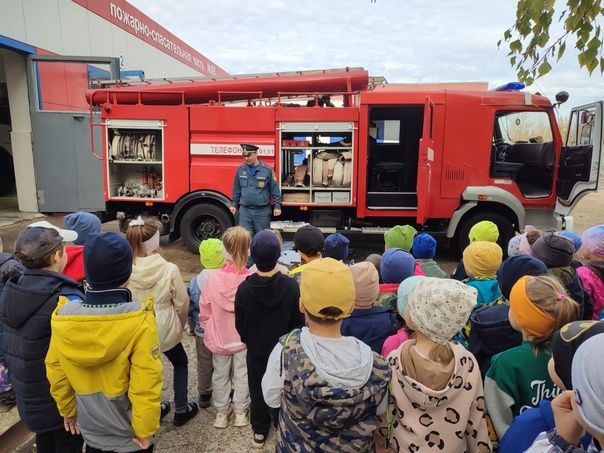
[{"x": 511, "y": 86}]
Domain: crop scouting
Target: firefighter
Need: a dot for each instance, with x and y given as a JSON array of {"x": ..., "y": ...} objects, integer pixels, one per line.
[{"x": 254, "y": 184}]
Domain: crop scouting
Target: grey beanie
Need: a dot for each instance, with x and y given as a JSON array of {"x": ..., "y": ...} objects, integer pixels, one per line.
[{"x": 588, "y": 383}]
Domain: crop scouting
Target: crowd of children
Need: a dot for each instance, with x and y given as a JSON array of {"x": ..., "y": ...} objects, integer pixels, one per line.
[{"x": 389, "y": 354}]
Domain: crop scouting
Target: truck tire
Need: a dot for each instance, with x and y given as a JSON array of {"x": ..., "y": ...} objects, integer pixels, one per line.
[
  {"x": 506, "y": 230},
  {"x": 203, "y": 221}
]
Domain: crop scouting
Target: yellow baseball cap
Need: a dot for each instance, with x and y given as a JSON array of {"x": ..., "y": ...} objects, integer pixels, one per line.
[{"x": 327, "y": 283}]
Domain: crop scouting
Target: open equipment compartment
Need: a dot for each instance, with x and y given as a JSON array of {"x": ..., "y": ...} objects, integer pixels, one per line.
[
  {"x": 135, "y": 159},
  {"x": 317, "y": 163}
]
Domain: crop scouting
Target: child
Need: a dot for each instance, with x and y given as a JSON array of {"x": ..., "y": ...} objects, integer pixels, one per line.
[
  {"x": 514, "y": 246},
  {"x": 397, "y": 265},
  {"x": 280, "y": 266},
  {"x": 266, "y": 307},
  {"x": 482, "y": 231},
  {"x": 436, "y": 388},
  {"x": 8, "y": 265},
  {"x": 336, "y": 247},
  {"x": 211, "y": 254},
  {"x": 518, "y": 378},
  {"x": 481, "y": 259},
  {"x": 424, "y": 251},
  {"x": 369, "y": 324},
  {"x": 329, "y": 387},
  {"x": 592, "y": 274},
  {"x": 557, "y": 254},
  {"x": 529, "y": 424},
  {"x": 576, "y": 240},
  {"x": 491, "y": 331},
  {"x": 580, "y": 410},
  {"x": 404, "y": 333},
  {"x": 399, "y": 237},
  {"x": 376, "y": 260},
  {"x": 153, "y": 275},
  {"x": 217, "y": 318},
  {"x": 27, "y": 303},
  {"x": 309, "y": 244},
  {"x": 528, "y": 238},
  {"x": 103, "y": 363},
  {"x": 85, "y": 224}
]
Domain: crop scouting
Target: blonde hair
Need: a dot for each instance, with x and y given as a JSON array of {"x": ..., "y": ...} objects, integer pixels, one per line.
[
  {"x": 137, "y": 234},
  {"x": 548, "y": 294},
  {"x": 236, "y": 241}
]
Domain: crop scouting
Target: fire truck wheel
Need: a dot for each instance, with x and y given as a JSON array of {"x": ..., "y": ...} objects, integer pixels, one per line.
[
  {"x": 203, "y": 221},
  {"x": 505, "y": 226}
]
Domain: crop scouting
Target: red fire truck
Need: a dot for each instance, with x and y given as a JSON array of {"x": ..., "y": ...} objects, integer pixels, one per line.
[{"x": 348, "y": 156}]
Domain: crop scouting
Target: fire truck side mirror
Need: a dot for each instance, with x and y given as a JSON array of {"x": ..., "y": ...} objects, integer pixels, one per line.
[{"x": 561, "y": 97}]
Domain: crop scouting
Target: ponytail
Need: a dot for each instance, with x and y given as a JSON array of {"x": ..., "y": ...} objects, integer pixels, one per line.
[
  {"x": 441, "y": 353},
  {"x": 547, "y": 294}
]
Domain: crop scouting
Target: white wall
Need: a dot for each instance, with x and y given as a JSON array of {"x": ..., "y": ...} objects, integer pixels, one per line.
[{"x": 64, "y": 27}]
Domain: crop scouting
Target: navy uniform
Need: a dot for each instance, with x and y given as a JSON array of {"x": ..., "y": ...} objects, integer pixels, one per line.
[{"x": 252, "y": 191}]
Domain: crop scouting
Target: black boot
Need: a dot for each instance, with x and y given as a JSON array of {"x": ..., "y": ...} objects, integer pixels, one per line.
[{"x": 180, "y": 418}]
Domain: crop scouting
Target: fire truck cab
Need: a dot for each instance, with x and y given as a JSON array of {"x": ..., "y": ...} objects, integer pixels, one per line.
[{"x": 347, "y": 156}]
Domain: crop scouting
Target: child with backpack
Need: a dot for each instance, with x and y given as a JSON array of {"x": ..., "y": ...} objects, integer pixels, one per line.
[
  {"x": 481, "y": 259},
  {"x": 397, "y": 265},
  {"x": 592, "y": 273},
  {"x": 266, "y": 307},
  {"x": 370, "y": 324},
  {"x": 579, "y": 410},
  {"x": 85, "y": 224},
  {"x": 217, "y": 318},
  {"x": 491, "y": 331},
  {"x": 529, "y": 424},
  {"x": 329, "y": 387},
  {"x": 153, "y": 276},
  {"x": 437, "y": 399},
  {"x": 103, "y": 362},
  {"x": 211, "y": 254},
  {"x": 26, "y": 306},
  {"x": 518, "y": 378},
  {"x": 424, "y": 251}
]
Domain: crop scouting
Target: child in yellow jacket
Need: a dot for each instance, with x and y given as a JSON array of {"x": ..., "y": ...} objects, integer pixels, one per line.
[{"x": 104, "y": 355}]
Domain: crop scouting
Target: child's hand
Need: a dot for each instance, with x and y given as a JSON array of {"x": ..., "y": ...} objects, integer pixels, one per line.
[
  {"x": 143, "y": 444},
  {"x": 566, "y": 422},
  {"x": 71, "y": 425}
]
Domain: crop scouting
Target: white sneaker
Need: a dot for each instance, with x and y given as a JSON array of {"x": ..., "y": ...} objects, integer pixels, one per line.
[
  {"x": 222, "y": 420},
  {"x": 241, "y": 419}
]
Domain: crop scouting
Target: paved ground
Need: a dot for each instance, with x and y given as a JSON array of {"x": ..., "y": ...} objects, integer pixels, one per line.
[{"x": 199, "y": 435}]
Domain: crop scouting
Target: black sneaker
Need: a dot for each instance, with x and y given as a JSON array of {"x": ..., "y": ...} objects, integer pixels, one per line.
[
  {"x": 205, "y": 400},
  {"x": 165, "y": 409},
  {"x": 258, "y": 440},
  {"x": 180, "y": 418}
]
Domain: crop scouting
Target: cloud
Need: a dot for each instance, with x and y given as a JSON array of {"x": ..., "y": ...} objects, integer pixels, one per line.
[{"x": 410, "y": 41}]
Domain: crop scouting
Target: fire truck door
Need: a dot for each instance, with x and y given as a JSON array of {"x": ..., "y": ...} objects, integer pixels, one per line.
[
  {"x": 67, "y": 176},
  {"x": 579, "y": 166},
  {"x": 425, "y": 162}
]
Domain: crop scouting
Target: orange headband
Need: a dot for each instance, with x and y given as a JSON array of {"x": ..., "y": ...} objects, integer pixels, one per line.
[{"x": 528, "y": 316}]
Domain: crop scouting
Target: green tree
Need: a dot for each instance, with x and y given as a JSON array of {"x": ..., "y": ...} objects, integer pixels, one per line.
[{"x": 532, "y": 49}]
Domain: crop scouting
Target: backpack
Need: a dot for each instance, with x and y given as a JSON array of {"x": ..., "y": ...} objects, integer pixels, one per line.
[{"x": 491, "y": 333}]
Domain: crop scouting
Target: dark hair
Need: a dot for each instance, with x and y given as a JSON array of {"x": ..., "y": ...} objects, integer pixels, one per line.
[
  {"x": 42, "y": 262},
  {"x": 329, "y": 316}
]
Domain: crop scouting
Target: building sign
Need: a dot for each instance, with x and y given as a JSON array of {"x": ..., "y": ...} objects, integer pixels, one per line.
[
  {"x": 130, "y": 19},
  {"x": 227, "y": 149}
]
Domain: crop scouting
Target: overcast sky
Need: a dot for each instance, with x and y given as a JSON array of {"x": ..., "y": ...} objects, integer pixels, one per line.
[{"x": 405, "y": 41}]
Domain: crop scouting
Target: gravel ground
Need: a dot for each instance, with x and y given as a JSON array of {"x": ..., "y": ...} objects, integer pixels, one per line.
[{"x": 199, "y": 434}]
